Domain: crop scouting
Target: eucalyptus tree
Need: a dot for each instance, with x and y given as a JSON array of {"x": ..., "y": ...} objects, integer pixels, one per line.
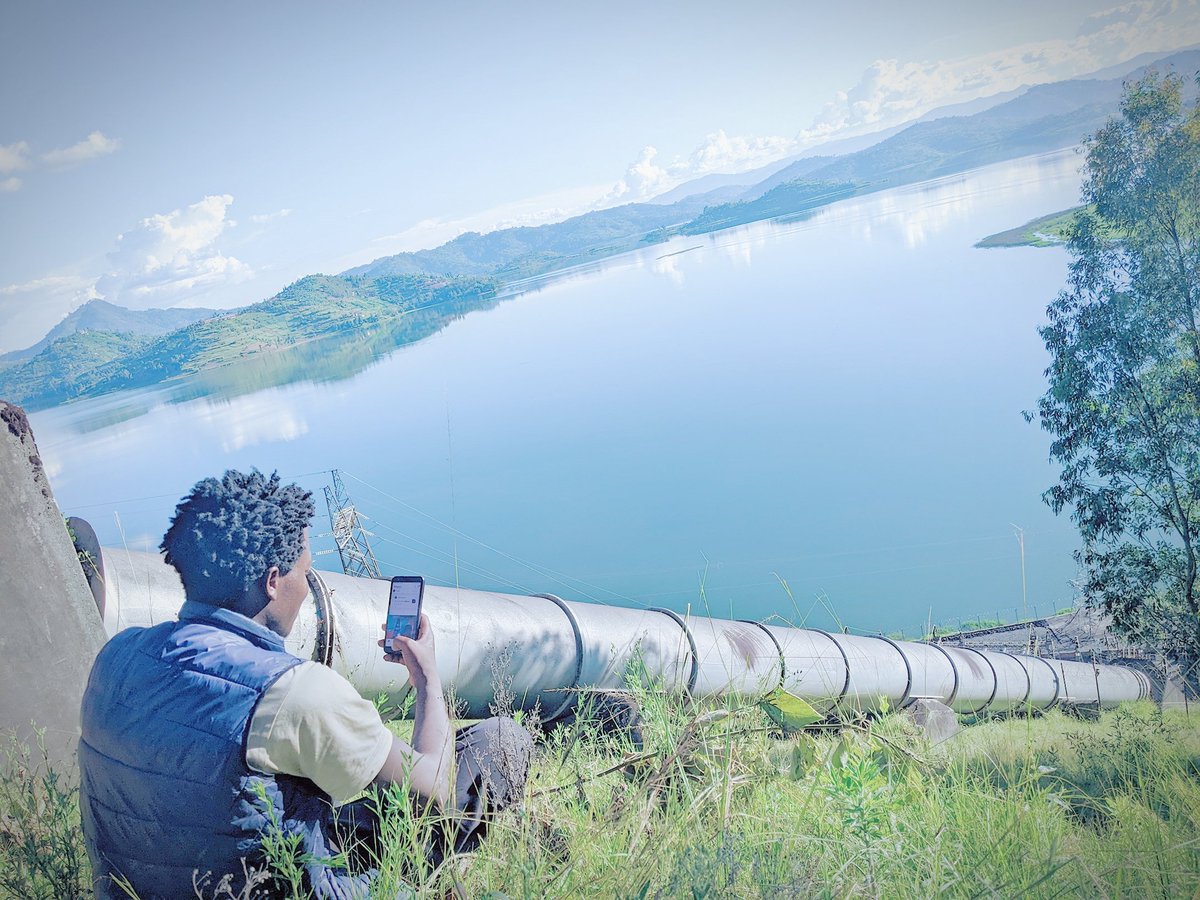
[{"x": 1123, "y": 402}]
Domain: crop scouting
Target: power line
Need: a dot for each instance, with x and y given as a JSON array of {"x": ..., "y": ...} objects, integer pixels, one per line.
[{"x": 560, "y": 578}]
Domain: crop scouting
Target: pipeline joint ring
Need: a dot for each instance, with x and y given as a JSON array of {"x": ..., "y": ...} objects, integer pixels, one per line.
[
  {"x": 687, "y": 632},
  {"x": 571, "y": 695},
  {"x": 323, "y": 598}
]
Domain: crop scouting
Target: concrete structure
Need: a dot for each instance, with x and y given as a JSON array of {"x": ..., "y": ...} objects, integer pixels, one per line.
[
  {"x": 52, "y": 630},
  {"x": 1079, "y": 633},
  {"x": 937, "y": 720},
  {"x": 1171, "y": 688},
  {"x": 1083, "y": 635}
]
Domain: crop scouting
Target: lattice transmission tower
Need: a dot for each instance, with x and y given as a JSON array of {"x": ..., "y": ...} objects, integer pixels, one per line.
[{"x": 348, "y": 532}]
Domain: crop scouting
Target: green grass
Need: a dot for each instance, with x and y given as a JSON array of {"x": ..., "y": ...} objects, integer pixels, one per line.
[
  {"x": 718, "y": 805},
  {"x": 1044, "y": 807},
  {"x": 1045, "y": 231}
]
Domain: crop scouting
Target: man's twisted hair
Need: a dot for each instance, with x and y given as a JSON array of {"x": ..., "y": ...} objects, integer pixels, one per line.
[{"x": 226, "y": 534}]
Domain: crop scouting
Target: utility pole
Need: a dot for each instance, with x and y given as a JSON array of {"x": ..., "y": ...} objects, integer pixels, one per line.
[
  {"x": 1020, "y": 532},
  {"x": 348, "y": 532},
  {"x": 1031, "y": 647}
]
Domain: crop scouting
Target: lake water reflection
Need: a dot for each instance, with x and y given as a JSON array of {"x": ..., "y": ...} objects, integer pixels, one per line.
[{"x": 832, "y": 403}]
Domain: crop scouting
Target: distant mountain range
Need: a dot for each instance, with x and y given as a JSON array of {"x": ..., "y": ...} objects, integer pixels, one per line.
[
  {"x": 1042, "y": 118},
  {"x": 100, "y": 315},
  {"x": 1039, "y": 119},
  {"x": 721, "y": 187},
  {"x": 101, "y": 347},
  {"x": 710, "y": 183}
]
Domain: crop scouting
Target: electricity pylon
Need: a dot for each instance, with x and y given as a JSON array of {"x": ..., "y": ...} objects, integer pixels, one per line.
[{"x": 348, "y": 532}]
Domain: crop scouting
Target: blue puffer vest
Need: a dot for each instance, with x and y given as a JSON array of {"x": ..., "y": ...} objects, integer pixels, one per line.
[{"x": 165, "y": 792}]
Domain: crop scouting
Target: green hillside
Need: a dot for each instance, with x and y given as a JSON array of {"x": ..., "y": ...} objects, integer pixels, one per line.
[
  {"x": 90, "y": 363},
  {"x": 1044, "y": 231},
  {"x": 68, "y": 368},
  {"x": 789, "y": 198},
  {"x": 947, "y": 146},
  {"x": 1052, "y": 230},
  {"x": 521, "y": 252},
  {"x": 99, "y": 315}
]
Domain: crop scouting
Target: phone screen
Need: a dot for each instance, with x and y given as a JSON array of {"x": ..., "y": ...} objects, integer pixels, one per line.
[{"x": 404, "y": 607}]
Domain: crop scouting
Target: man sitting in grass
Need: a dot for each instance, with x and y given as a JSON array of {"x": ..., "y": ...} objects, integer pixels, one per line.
[{"x": 200, "y": 735}]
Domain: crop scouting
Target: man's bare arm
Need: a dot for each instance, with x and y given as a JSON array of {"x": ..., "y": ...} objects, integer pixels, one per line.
[{"x": 426, "y": 763}]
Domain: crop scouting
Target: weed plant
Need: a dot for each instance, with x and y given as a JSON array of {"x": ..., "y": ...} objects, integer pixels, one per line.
[
  {"x": 716, "y": 803},
  {"x": 42, "y": 856}
]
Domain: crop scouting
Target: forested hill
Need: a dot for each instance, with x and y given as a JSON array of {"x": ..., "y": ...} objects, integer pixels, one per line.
[
  {"x": 99, "y": 315},
  {"x": 89, "y": 363},
  {"x": 514, "y": 253}
]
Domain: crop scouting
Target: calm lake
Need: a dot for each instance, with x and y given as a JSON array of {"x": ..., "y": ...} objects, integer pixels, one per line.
[{"x": 833, "y": 404}]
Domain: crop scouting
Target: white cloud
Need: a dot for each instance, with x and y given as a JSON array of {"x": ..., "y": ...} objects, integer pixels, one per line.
[
  {"x": 264, "y": 218},
  {"x": 167, "y": 255},
  {"x": 31, "y": 308},
  {"x": 893, "y": 91},
  {"x": 14, "y": 157},
  {"x": 95, "y": 144},
  {"x": 722, "y": 153},
  {"x": 249, "y": 421},
  {"x": 55, "y": 284},
  {"x": 645, "y": 178},
  {"x": 1119, "y": 16},
  {"x": 890, "y": 91},
  {"x": 165, "y": 260}
]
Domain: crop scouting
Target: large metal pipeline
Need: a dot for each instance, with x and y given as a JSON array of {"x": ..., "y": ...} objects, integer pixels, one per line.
[{"x": 541, "y": 649}]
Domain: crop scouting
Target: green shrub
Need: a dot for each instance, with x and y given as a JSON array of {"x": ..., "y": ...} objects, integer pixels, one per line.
[{"x": 42, "y": 854}]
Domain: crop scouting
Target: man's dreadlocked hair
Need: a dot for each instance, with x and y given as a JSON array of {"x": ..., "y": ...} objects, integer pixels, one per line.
[{"x": 226, "y": 534}]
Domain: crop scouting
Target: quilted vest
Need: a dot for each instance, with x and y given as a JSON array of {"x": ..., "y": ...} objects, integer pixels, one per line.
[{"x": 165, "y": 792}]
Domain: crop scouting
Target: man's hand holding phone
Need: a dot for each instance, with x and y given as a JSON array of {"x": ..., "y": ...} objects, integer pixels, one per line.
[
  {"x": 415, "y": 654},
  {"x": 408, "y": 639}
]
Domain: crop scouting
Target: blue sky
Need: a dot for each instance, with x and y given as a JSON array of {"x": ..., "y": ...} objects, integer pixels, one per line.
[{"x": 159, "y": 154}]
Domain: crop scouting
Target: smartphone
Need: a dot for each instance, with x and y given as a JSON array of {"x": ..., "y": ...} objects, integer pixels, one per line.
[{"x": 404, "y": 607}]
